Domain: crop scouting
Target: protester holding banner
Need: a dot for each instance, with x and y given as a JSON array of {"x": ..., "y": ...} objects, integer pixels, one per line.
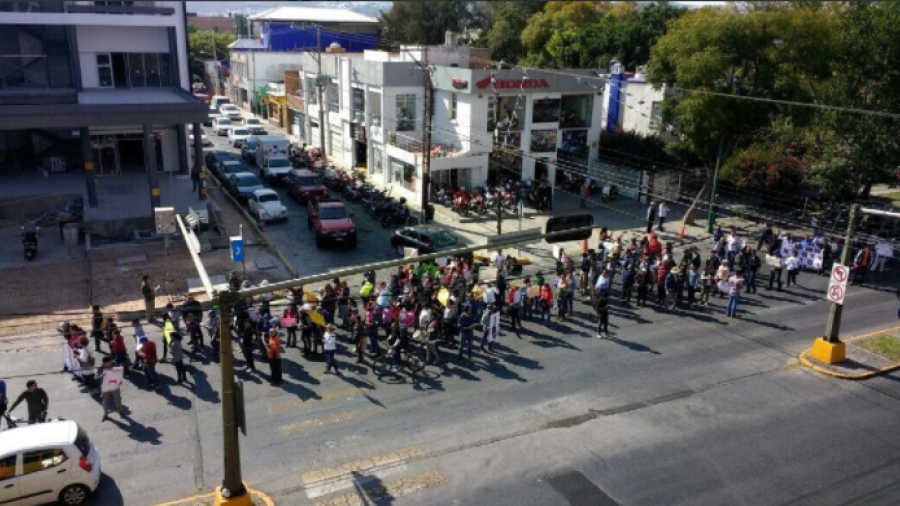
[{"x": 110, "y": 377}]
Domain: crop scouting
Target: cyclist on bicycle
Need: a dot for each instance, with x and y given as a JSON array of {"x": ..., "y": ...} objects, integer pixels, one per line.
[{"x": 397, "y": 344}]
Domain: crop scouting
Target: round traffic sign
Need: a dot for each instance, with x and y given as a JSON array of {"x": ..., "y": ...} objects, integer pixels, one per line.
[
  {"x": 839, "y": 273},
  {"x": 836, "y": 293}
]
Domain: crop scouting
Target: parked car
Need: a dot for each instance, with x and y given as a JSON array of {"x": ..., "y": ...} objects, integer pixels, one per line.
[
  {"x": 213, "y": 114},
  {"x": 47, "y": 463},
  {"x": 203, "y": 138},
  {"x": 221, "y": 125},
  {"x": 265, "y": 205},
  {"x": 303, "y": 185},
  {"x": 331, "y": 222},
  {"x": 237, "y": 134},
  {"x": 248, "y": 150},
  {"x": 425, "y": 238},
  {"x": 243, "y": 184},
  {"x": 217, "y": 101},
  {"x": 214, "y": 159},
  {"x": 255, "y": 126},
  {"x": 229, "y": 168},
  {"x": 274, "y": 170},
  {"x": 231, "y": 111}
]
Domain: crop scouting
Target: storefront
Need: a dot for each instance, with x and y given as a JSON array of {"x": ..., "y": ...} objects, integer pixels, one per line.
[
  {"x": 276, "y": 110},
  {"x": 298, "y": 125},
  {"x": 360, "y": 146},
  {"x": 403, "y": 175}
]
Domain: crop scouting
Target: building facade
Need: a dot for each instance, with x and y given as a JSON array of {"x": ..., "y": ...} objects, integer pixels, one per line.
[{"x": 100, "y": 89}]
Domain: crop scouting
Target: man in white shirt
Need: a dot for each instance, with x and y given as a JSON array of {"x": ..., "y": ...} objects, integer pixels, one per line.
[
  {"x": 663, "y": 211},
  {"x": 604, "y": 283},
  {"x": 883, "y": 251},
  {"x": 792, "y": 264}
]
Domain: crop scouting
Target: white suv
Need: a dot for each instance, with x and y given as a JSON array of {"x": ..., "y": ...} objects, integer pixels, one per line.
[
  {"x": 47, "y": 462},
  {"x": 221, "y": 125}
]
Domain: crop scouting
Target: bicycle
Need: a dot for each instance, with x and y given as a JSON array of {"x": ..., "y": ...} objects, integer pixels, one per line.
[{"x": 412, "y": 358}]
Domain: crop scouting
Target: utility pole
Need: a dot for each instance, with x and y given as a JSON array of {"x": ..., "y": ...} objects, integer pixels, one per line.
[
  {"x": 712, "y": 196},
  {"x": 232, "y": 492},
  {"x": 833, "y": 329},
  {"x": 319, "y": 85},
  {"x": 426, "y": 134}
]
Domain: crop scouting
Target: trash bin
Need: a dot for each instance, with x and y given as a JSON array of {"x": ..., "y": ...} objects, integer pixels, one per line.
[
  {"x": 429, "y": 212},
  {"x": 70, "y": 234}
]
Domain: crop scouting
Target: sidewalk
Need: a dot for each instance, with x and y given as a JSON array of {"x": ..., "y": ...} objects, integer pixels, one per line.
[{"x": 867, "y": 356}]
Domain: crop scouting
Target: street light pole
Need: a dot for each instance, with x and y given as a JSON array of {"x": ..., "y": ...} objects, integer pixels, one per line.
[
  {"x": 712, "y": 196},
  {"x": 832, "y": 331},
  {"x": 232, "y": 492}
]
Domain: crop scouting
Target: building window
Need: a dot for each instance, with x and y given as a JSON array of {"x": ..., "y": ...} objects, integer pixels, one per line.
[
  {"x": 313, "y": 91},
  {"x": 403, "y": 174},
  {"x": 334, "y": 98},
  {"x": 505, "y": 113},
  {"x": 359, "y": 101},
  {"x": 136, "y": 75},
  {"x": 377, "y": 160},
  {"x": 576, "y": 111},
  {"x": 406, "y": 113},
  {"x": 453, "y": 107},
  {"x": 104, "y": 71},
  {"x": 655, "y": 114},
  {"x": 545, "y": 110},
  {"x": 543, "y": 141},
  {"x": 375, "y": 109}
]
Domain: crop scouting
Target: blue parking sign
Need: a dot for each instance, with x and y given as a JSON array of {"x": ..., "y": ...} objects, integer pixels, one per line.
[{"x": 237, "y": 249}]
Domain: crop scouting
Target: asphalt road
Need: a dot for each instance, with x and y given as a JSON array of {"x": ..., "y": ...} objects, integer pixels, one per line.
[{"x": 684, "y": 408}]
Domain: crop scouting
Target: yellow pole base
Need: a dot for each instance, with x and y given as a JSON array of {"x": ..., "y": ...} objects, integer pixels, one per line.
[
  {"x": 828, "y": 353},
  {"x": 242, "y": 500}
]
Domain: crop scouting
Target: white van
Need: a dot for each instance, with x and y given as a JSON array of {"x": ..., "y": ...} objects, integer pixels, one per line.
[{"x": 47, "y": 462}]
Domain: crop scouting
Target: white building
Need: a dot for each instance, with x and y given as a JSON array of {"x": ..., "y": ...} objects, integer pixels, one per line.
[
  {"x": 101, "y": 89},
  {"x": 252, "y": 71}
]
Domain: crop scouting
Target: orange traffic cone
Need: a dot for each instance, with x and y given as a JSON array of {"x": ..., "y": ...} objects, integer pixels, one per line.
[{"x": 681, "y": 235}]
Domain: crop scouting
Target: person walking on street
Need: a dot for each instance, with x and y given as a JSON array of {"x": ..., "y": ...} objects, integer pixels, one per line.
[
  {"x": 246, "y": 334},
  {"x": 651, "y": 216},
  {"x": 178, "y": 359},
  {"x": 628, "y": 280},
  {"x": 359, "y": 338},
  {"x": 87, "y": 360},
  {"x": 883, "y": 252},
  {"x": 97, "y": 327},
  {"x": 329, "y": 346},
  {"x": 149, "y": 358},
  {"x": 775, "y": 273},
  {"x": 466, "y": 330},
  {"x": 765, "y": 236},
  {"x": 735, "y": 285},
  {"x": 110, "y": 388},
  {"x": 37, "y": 401},
  {"x": 707, "y": 280},
  {"x": 273, "y": 353},
  {"x": 149, "y": 294},
  {"x": 753, "y": 266},
  {"x": 861, "y": 264},
  {"x": 673, "y": 288},
  {"x": 693, "y": 283},
  {"x": 545, "y": 302},
  {"x": 602, "y": 308},
  {"x": 491, "y": 323},
  {"x": 642, "y": 281},
  {"x": 663, "y": 212},
  {"x": 793, "y": 267}
]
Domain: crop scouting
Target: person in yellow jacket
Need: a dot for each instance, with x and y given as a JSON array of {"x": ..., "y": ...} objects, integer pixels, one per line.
[{"x": 168, "y": 330}]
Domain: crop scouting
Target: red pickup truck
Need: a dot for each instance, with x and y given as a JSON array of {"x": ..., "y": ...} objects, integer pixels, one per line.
[{"x": 331, "y": 222}]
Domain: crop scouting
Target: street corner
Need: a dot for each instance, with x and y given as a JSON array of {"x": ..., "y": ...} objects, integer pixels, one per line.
[
  {"x": 257, "y": 498},
  {"x": 865, "y": 356}
]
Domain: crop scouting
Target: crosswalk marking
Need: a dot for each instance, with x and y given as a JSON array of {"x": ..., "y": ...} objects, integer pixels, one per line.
[{"x": 404, "y": 486}]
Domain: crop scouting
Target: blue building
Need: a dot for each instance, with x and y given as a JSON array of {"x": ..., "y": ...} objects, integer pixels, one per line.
[{"x": 293, "y": 29}]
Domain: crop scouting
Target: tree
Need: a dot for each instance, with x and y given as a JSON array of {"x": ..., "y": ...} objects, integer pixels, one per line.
[
  {"x": 558, "y": 17},
  {"x": 424, "y": 22},
  {"x": 502, "y": 24},
  {"x": 201, "y": 47}
]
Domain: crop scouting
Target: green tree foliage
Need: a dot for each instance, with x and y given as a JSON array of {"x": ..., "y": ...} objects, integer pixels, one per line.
[
  {"x": 555, "y": 18},
  {"x": 424, "y": 22},
  {"x": 201, "y": 47},
  {"x": 502, "y": 24}
]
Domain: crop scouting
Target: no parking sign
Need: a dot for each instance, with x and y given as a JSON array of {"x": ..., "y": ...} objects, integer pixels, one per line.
[{"x": 837, "y": 285}]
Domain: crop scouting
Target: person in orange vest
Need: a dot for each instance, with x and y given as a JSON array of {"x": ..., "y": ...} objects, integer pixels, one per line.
[
  {"x": 273, "y": 353},
  {"x": 861, "y": 265}
]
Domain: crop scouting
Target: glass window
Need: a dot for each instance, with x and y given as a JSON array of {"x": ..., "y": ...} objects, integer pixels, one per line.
[
  {"x": 165, "y": 74},
  {"x": 543, "y": 141},
  {"x": 104, "y": 71},
  {"x": 359, "y": 100},
  {"x": 453, "y": 106},
  {"x": 151, "y": 68},
  {"x": 655, "y": 114},
  {"x": 8, "y": 467},
  {"x": 576, "y": 111},
  {"x": 268, "y": 197},
  {"x": 403, "y": 174},
  {"x": 334, "y": 98},
  {"x": 103, "y": 59},
  {"x": 313, "y": 91},
  {"x": 377, "y": 160},
  {"x": 406, "y": 113},
  {"x": 136, "y": 74},
  {"x": 333, "y": 213},
  {"x": 39, "y": 460},
  {"x": 375, "y": 108},
  {"x": 545, "y": 110},
  {"x": 505, "y": 113},
  {"x": 574, "y": 146}
]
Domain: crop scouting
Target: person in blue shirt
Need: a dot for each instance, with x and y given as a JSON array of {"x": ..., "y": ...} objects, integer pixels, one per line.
[{"x": 466, "y": 331}]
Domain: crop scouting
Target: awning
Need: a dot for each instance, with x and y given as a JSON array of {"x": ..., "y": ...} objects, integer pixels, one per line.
[{"x": 108, "y": 107}]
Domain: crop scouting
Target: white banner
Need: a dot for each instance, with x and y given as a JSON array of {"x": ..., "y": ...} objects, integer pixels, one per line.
[{"x": 112, "y": 379}]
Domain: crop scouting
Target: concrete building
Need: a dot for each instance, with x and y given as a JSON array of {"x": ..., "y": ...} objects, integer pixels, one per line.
[
  {"x": 252, "y": 71},
  {"x": 95, "y": 101}
]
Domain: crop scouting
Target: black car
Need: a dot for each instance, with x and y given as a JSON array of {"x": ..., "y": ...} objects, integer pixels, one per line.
[
  {"x": 248, "y": 150},
  {"x": 230, "y": 167},
  {"x": 426, "y": 239},
  {"x": 214, "y": 159}
]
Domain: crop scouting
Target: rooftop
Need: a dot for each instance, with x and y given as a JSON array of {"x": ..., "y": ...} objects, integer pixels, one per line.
[
  {"x": 312, "y": 14},
  {"x": 246, "y": 44}
]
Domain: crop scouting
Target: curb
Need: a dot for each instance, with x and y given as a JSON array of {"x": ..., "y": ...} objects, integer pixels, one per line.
[
  {"x": 255, "y": 226},
  {"x": 805, "y": 360}
]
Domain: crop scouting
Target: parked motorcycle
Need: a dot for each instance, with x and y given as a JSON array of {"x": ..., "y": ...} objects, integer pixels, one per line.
[
  {"x": 30, "y": 242},
  {"x": 398, "y": 216}
]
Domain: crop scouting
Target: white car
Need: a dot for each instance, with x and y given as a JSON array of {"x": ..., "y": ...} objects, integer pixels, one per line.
[
  {"x": 237, "y": 134},
  {"x": 204, "y": 140},
  {"x": 231, "y": 111},
  {"x": 255, "y": 126},
  {"x": 221, "y": 125},
  {"x": 47, "y": 462},
  {"x": 266, "y": 206}
]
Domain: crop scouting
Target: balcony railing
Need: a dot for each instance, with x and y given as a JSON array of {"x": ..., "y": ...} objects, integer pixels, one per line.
[{"x": 145, "y": 8}]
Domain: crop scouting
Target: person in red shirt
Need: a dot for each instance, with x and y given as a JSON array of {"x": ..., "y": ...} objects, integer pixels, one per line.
[
  {"x": 661, "y": 272},
  {"x": 654, "y": 247},
  {"x": 546, "y": 301},
  {"x": 149, "y": 357},
  {"x": 119, "y": 351}
]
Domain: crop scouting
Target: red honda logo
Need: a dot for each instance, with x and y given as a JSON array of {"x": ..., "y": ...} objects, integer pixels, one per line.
[{"x": 511, "y": 84}]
